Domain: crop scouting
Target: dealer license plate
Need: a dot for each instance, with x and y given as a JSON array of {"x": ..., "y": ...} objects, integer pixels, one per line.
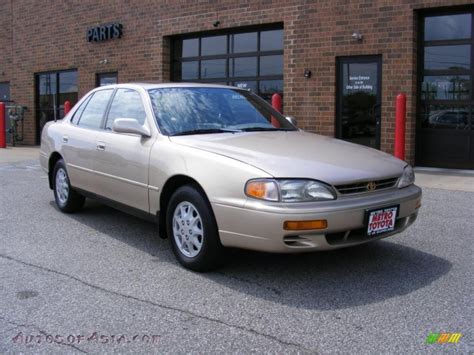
[{"x": 381, "y": 220}]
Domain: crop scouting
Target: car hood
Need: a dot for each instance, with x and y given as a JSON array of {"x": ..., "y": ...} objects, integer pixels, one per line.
[{"x": 298, "y": 154}]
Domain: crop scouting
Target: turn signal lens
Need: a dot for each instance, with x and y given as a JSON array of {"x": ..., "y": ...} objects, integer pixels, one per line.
[
  {"x": 262, "y": 189},
  {"x": 305, "y": 225}
]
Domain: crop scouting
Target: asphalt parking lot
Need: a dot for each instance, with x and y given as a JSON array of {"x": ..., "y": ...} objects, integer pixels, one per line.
[{"x": 79, "y": 283}]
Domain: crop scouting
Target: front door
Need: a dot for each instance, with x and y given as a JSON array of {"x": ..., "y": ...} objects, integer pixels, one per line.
[
  {"x": 52, "y": 90},
  {"x": 358, "y": 100},
  {"x": 121, "y": 163}
]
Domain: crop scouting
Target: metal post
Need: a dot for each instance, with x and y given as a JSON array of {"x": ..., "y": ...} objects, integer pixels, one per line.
[
  {"x": 276, "y": 103},
  {"x": 67, "y": 107},
  {"x": 400, "y": 123}
]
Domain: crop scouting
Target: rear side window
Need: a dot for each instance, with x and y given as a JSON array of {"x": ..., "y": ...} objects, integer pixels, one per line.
[
  {"x": 127, "y": 103},
  {"x": 94, "y": 111},
  {"x": 77, "y": 115}
]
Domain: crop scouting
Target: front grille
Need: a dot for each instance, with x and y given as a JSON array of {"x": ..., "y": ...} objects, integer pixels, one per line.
[{"x": 366, "y": 186}]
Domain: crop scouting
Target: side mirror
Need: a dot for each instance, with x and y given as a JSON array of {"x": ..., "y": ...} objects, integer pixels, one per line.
[
  {"x": 292, "y": 120},
  {"x": 130, "y": 125}
]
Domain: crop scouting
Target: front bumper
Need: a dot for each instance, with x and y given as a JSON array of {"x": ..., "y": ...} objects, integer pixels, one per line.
[{"x": 259, "y": 225}]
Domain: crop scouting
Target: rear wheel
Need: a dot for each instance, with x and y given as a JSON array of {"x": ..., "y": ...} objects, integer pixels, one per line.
[
  {"x": 192, "y": 230},
  {"x": 67, "y": 199}
]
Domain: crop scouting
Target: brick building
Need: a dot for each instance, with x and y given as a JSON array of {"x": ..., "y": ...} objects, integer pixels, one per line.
[{"x": 338, "y": 64}]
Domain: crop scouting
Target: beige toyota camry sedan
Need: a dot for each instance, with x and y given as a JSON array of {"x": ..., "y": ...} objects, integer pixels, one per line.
[{"x": 216, "y": 166}]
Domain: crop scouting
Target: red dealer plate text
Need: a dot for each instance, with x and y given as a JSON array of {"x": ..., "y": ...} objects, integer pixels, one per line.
[{"x": 382, "y": 220}]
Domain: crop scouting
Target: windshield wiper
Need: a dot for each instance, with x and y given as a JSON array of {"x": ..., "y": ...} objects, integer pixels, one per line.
[
  {"x": 205, "y": 131},
  {"x": 256, "y": 129}
]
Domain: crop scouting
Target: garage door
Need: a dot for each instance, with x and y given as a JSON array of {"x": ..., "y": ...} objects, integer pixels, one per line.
[{"x": 445, "y": 125}]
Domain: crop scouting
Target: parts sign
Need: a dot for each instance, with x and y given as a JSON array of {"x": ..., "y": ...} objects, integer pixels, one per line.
[{"x": 104, "y": 32}]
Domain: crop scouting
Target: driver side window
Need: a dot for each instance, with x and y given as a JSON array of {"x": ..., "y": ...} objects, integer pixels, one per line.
[{"x": 127, "y": 103}]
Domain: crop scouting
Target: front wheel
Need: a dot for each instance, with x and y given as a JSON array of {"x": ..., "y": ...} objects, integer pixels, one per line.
[
  {"x": 192, "y": 230},
  {"x": 67, "y": 199}
]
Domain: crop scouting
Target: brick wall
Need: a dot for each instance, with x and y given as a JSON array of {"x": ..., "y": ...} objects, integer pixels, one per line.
[
  {"x": 5, "y": 42},
  {"x": 50, "y": 35}
]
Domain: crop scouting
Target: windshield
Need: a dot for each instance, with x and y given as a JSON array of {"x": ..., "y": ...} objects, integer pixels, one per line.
[{"x": 184, "y": 110}]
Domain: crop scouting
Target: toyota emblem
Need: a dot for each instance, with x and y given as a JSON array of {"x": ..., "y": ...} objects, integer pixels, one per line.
[{"x": 371, "y": 186}]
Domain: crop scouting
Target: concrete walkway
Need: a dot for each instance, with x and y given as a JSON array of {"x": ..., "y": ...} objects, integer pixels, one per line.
[
  {"x": 446, "y": 179},
  {"x": 17, "y": 154}
]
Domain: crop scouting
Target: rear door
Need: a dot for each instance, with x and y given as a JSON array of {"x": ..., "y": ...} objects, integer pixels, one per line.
[
  {"x": 80, "y": 140},
  {"x": 121, "y": 162}
]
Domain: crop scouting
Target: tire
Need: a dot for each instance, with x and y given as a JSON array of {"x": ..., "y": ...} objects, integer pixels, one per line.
[
  {"x": 67, "y": 199},
  {"x": 196, "y": 242}
]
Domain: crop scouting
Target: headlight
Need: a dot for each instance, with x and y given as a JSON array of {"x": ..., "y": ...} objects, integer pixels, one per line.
[
  {"x": 294, "y": 190},
  {"x": 408, "y": 177}
]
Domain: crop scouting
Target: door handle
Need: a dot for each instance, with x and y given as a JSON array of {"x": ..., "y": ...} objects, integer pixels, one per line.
[
  {"x": 65, "y": 139},
  {"x": 100, "y": 146}
]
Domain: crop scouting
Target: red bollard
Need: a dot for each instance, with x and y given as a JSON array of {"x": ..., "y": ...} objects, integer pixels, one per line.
[
  {"x": 67, "y": 107},
  {"x": 276, "y": 103},
  {"x": 3, "y": 130},
  {"x": 400, "y": 122}
]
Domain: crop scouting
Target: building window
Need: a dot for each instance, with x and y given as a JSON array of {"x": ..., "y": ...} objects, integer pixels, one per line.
[
  {"x": 4, "y": 92},
  {"x": 247, "y": 59},
  {"x": 445, "y": 125},
  {"x": 446, "y": 71},
  {"x": 103, "y": 79}
]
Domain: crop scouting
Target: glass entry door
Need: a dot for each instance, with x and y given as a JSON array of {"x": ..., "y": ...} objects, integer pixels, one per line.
[
  {"x": 52, "y": 90},
  {"x": 102, "y": 79},
  {"x": 358, "y": 100}
]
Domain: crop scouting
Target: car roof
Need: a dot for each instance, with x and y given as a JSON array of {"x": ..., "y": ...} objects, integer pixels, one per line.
[{"x": 148, "y": 86}]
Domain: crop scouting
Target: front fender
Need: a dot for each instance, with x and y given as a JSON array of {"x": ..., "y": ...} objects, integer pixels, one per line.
[{"x": 222, "y": 178}]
